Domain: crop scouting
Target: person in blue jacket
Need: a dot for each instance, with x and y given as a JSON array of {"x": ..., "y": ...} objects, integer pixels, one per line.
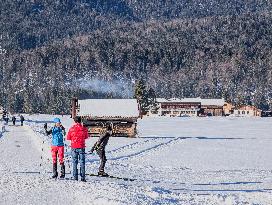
[{"x": 57, "y": 147}]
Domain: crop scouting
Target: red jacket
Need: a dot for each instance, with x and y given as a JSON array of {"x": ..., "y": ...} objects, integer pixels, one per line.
[{"x": 77, "y": 134}]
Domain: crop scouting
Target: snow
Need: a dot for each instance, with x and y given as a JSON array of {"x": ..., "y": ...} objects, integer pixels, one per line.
[
  {"x": 108, "y": 107},
  {"x": 174, "y": 161},
  {"x": 2, "y": 127},
  {"x": 216, "y": 102}
]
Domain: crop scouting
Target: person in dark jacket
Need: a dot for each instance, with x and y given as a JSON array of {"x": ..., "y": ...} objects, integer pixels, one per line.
[
  {"x": 100, "y": 146},
  {"x": 78, "y": 134},
  {"x": 13, "y": 120},
  {"x": 57, "y": 147},
  {"x": 22, "y": 119},
  {"x": 7, "y": 120}
]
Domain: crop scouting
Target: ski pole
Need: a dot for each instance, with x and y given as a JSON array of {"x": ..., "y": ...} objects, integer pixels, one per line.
[
  {"x": 42, "y": 157},
  {"x": 68, "y": 161}
]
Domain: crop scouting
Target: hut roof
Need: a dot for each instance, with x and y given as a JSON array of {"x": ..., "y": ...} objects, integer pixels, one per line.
[{"x": 121, "y": 108}]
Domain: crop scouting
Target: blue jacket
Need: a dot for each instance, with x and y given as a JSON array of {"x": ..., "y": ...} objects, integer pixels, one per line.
[{"x": 57, "y": 135}]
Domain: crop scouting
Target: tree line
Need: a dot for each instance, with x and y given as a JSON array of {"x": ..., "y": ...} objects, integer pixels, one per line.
[{"x": 208, "y": 56}]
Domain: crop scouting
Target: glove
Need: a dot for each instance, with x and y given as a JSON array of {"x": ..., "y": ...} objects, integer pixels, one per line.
[
  {"x": 91, "y": 152},
  {"x": 45, "y": 126},
  {"x": 97, "y": 147}
]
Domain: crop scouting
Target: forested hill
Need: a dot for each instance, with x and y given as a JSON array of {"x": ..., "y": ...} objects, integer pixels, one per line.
[
  {"x": 32, "y": 23},
  {"x": 57, "y": 49}
]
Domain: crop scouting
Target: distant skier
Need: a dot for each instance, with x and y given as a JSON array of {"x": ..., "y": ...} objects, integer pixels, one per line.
[
  {"x": 13, "y": 120},
  {"x": 100, "y": 146},
  {"x": 57, "y": 147},
  {"x": 78, "y": 134},
  {"x": 22, "y": 119},
  {"x": 4, "y": 115},
  {"x": 6, "y": 119}
]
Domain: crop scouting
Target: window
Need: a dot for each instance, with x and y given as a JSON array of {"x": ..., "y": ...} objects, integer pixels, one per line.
[
  {"x": 238, "y": 112},
  {"x": 248, "y": 112},
  {"x": 243, "y": 112},
  {"x": 165, "y": 113}
]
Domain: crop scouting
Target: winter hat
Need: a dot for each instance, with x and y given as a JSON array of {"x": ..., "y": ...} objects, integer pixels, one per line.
[
  {"x": 77, "y": 119},
  {"x": 56, "y": 120}
]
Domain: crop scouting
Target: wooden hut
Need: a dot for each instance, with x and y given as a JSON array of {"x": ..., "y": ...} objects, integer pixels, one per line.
[{"x": 97, "y": 114}]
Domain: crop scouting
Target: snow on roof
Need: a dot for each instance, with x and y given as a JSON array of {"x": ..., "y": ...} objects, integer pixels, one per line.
[
  {"x": 247, "y": 107},
  {"x": 108, "y": 108},
  {"x": 198, "y": 100},
  {"x": 160, "y": 100},
  {"x": 217, "y": 102}
]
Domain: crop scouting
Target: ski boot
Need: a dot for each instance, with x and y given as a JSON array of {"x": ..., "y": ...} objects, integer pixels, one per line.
[
  {"x": 55, "y": 173},
  {"x": 83, "y": 180},
  {"x": 62, "y": 172},
  {"x": 102, "y": 174}
]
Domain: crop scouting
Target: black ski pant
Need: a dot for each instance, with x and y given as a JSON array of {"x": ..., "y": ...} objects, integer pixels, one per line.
[{"x": 102, "y": 155}]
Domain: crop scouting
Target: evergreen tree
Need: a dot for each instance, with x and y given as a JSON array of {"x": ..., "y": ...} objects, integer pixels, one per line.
[
  {"x": 141, "y": 95},
  {"x": 18, "y": 103},
  {"x": 153, "y": 107},
  {"x": 27, "y": 103}
]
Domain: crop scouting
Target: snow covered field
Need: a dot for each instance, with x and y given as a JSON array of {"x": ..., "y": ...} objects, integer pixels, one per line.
[{"x": 174, "y": 161}]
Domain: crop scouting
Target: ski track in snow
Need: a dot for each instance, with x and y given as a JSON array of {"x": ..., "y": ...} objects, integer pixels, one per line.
[
  {"x": 158, "y": 147},
  {"x": 24, "y": 181},
  {"x": 131, "y": 146}
]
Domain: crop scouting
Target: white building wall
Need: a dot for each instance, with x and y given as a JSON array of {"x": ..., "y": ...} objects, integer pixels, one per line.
[{"x": 244, "y": 113}]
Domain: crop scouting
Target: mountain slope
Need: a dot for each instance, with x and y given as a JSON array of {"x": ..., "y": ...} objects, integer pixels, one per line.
[
  {"x": 226, "y": 57},
  {"x": 30, "y": 24}
]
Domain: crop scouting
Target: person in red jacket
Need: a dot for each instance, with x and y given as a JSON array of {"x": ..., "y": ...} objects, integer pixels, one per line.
[{"x": 78, "y": 134}]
